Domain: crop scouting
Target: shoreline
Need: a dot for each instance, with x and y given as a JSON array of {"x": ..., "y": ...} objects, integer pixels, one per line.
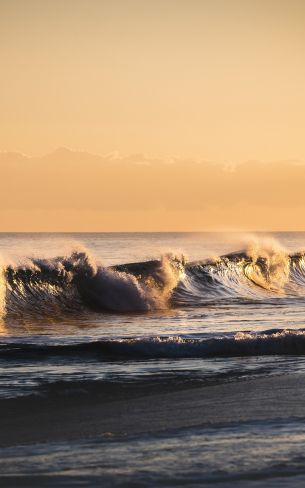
[{"x": 31, "y": 420}]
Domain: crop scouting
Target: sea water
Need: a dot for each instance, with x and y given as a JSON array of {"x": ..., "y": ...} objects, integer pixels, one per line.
[{"x": 90, "y": 309}]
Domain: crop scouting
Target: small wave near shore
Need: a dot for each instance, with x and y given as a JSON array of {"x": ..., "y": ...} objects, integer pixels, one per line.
[{"x": 266, "y": 343}]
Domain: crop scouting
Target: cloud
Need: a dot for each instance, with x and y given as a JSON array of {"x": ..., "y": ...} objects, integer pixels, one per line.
[{"x": 81, "y": 181}]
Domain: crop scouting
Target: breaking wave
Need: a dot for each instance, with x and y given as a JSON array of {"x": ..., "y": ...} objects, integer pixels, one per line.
[
  {"x": 76, "y": 282},
  {"x": 266, "y": 343},
  {"x": 72, "y": 283}
]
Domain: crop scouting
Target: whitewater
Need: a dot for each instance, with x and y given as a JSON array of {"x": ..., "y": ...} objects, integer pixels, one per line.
[{"x": 87, "y": 316}]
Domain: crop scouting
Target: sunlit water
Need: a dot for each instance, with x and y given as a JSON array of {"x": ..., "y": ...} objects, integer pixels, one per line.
[{"x": 41, "y": 319}]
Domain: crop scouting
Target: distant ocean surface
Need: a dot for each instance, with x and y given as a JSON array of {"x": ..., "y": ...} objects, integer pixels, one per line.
[{"x": 79, "y": 310}]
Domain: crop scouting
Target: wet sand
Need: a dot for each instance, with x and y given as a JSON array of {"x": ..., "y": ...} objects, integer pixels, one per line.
[{"x": 117, "y": 412}]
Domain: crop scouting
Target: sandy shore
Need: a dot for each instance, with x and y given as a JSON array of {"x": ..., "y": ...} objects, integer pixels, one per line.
[{"x": 35, "y": 420}]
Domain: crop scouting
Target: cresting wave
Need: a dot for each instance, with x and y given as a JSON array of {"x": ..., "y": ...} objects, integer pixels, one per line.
[
  {"x": 76, "y": 282},
  {"x": 266, "y": 343},
  {"x": 69, "y": 284}
]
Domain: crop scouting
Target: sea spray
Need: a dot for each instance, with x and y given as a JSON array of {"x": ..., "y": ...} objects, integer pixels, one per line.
[
  {"x": 70, "y": 282},
  {"x": 270, "y": 263},
  {"x": 74, "y": 282}
]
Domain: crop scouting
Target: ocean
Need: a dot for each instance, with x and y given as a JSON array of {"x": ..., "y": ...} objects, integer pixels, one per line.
[{"x": 107, "y": 318}]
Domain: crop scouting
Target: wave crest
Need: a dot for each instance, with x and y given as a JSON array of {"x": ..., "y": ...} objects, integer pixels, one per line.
[
  {"x": 266, "y": 343},
  {"x": 76, "y": 282}
]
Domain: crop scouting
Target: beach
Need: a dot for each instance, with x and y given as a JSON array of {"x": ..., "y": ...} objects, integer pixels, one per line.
[
  {"x": 35, "y": 420},
  {"x": 122, "y": 415}
]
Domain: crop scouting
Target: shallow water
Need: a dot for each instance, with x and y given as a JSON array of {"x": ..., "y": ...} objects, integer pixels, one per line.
[
  {"x": 249, "y": 454},
  {"x": 71, "y": 317}
]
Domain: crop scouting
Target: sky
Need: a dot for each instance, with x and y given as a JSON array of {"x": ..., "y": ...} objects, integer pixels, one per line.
[{"x": 168, "y": 82}]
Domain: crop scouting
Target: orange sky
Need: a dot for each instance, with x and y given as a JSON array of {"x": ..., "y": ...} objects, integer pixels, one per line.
[{"x": 181, "y": 82}]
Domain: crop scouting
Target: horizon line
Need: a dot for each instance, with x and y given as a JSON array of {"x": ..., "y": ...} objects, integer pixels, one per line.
[{"x": 151, "y": 232}]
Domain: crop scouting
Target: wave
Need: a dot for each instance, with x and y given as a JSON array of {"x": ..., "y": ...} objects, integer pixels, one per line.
[
  {"x": 76, "y": 282},
  {"x": 254, "y": 274},
  {"x": 270, "y": 342}
]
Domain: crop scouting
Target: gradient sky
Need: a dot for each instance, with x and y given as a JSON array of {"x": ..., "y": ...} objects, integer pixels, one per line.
[{"x": 193, "y": 80}]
